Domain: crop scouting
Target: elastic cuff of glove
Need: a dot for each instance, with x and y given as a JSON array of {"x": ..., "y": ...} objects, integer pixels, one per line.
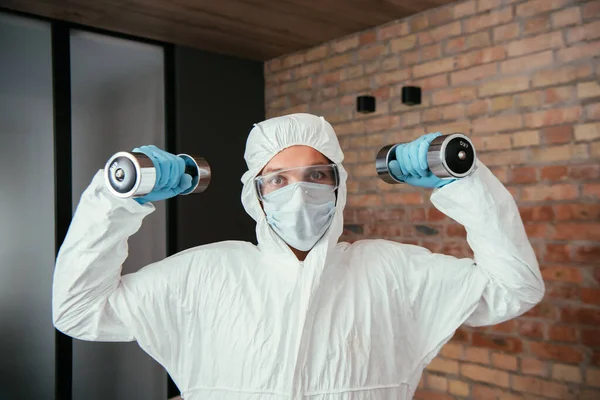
[{"x": 445, "y": 182}]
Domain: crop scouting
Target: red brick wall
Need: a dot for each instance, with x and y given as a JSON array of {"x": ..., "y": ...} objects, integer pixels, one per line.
[{"x": 521, "y": 78}]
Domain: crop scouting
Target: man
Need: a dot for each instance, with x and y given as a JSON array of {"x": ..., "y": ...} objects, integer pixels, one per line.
[{"x": 300, "y": 316}]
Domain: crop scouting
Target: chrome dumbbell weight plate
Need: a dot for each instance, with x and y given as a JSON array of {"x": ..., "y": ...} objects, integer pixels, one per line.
[
  {"x": 448, "y": 156},
  {"x": 131, "y": 174}
]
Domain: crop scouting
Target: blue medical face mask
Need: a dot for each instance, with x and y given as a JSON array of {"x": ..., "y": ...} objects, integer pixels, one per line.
[{"x": 300, "y": 213}]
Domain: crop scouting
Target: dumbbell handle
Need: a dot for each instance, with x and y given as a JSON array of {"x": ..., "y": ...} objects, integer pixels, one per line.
[{"x": 448, "y": 156}]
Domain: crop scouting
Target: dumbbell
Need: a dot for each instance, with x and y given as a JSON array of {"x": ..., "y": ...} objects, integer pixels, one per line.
[
  {"x": 448, "y": 156},
  {"x": 132, "y": 174}
]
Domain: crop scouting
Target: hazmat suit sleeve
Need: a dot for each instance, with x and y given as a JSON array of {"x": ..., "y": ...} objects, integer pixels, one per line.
[
  {"x": 92, "y": 301},
  {"x": 503, "y": 280}
]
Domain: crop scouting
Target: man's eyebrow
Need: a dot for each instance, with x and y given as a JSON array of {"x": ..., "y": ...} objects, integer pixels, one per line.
[{"x": 269, "y": 170}]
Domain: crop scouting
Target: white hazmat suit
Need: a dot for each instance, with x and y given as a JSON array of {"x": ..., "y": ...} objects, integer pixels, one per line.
[{"x": 232, "y": 320}]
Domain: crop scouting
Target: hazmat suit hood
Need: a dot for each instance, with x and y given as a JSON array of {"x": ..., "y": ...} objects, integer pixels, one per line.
[{"x": 267, "y": 139}]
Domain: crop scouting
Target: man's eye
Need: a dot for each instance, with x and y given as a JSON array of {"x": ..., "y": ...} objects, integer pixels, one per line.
[
  {"x": 276, "y": 180},
  {"x": 317, "y": 175}
]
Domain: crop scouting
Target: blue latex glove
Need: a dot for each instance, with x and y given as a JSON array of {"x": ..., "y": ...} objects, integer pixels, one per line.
[
  {"x": 411, "y": 165},
  {"x": 170, "y": 177}
]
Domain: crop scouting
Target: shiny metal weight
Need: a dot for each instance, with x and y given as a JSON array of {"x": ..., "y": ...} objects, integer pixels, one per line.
[
  {"x": 132, "y": 174},
  {"x": 448, "y": 156}
]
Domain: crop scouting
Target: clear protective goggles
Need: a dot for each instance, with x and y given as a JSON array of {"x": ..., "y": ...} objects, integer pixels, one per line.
[{"x": 320, "y": 174}]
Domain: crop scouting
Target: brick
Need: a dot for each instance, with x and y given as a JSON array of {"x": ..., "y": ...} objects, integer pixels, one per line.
[
  {"x": 354, "y": 71},
  {"x": 504, "y": 361},
  {"x": 329, "y": 78},
  {"x": 537, "y": 213},
  {"x": 501, "y": 142},
  {"x": 410, "y": 119},
  {"x": 477, "y": 355},
  {"x": 437, "y": 382},
  {"x": 441, "y": 15},
  {"x": 307, "y": 69},
  {"x": 431, "y": 52},
  {"x": 506, "y": 32},
  {"x": 529, "y": 99},
  {"x": 419, "y": 22},
  {"x": 497, "y": 124},
  {"x": 531, "y": 329},
  {"x": 532, "y": 366},
  {"x": 292, "y": 60},
  {"x": 534, "y": 7},
  {"x": 452, "y": 350},
  {"x": 568, "y": 16},
  {"x": 473, "y": 74},
  {"x": 501, "y": 103},
  {"x": 433, "y": 82},
  {"x": 355, "y": 85},
  {"x": 549, "y": 351},
  {"x": 445, "y": 366},
  {"x": 536, "y": 25},
  {"x": 592, "y": 377},
  {"x": 562, "y": 274},
  {"x": 367, "y": 38},
  {"x": 526, "y": 139},
  {"x": 557, "y": 290},
  {"x": 590, "y": 337},
  {"x": 595, "y": 150},
  {"x": 557, "y": 253},
  {"x": 371, "y": 52},
  {"x": 493, "y": 159},
  {"x": 506, "y": 85},
  {"x": 591, "y": 10},
  {"x": 588, "y": 89},
  {"x": 468, "y": 42},
  {"x": 539, "y": 387},
  {"x": 544, "y": 310},
  {"x": 389, "y": 63},
  {"x": 559, "y": 153},
  {"x": 430, "y": 395},
  {"x": 342, "y": 46},
  {"x": 386, "y": 78},
  {"x": 337, "y": 61},
  {"x": 483, "y": 374},
  {"x": 557, "y": 135},
  {"x": 562, "y": 191},
  {"x": 365, "y": 200},
  {"x": 461, "y": 126},
  {"x": 576, "y": 212},
  {"x": 525, "y": 63},
  {"x": 403, "y": 198},
  {"x": 393, "y": 30},
  {"x": 454, "y": 95},
  {"x": 464, "y": 9},
  {"x": 403, "y": 43},
  {"x": 482, "y": 56},
  {"x": 382, "y": 123},
  {"x": 591, "y": 190},
  {"x": 506, "y": 344},
  {"x": 433, "y": 67},
  {"x": 484, "y": 21},
  {"x": 317, "y": 53},
  {"x": 458, "y": 388},
  {"x": 562, "y": 94},
  {"x": 557, "y": 76},
  {"x": 552, "y": 117},
  {"x": 554, "y": 173},
  {"x": 477, "y": 107},
  {"x": 587, "y": 394},
  {"x": 577, "y": 52},
  {"x": 586, "y": 253},
  {"x": 445, "y": 31},
  {"x": 535, "y": 44}
]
